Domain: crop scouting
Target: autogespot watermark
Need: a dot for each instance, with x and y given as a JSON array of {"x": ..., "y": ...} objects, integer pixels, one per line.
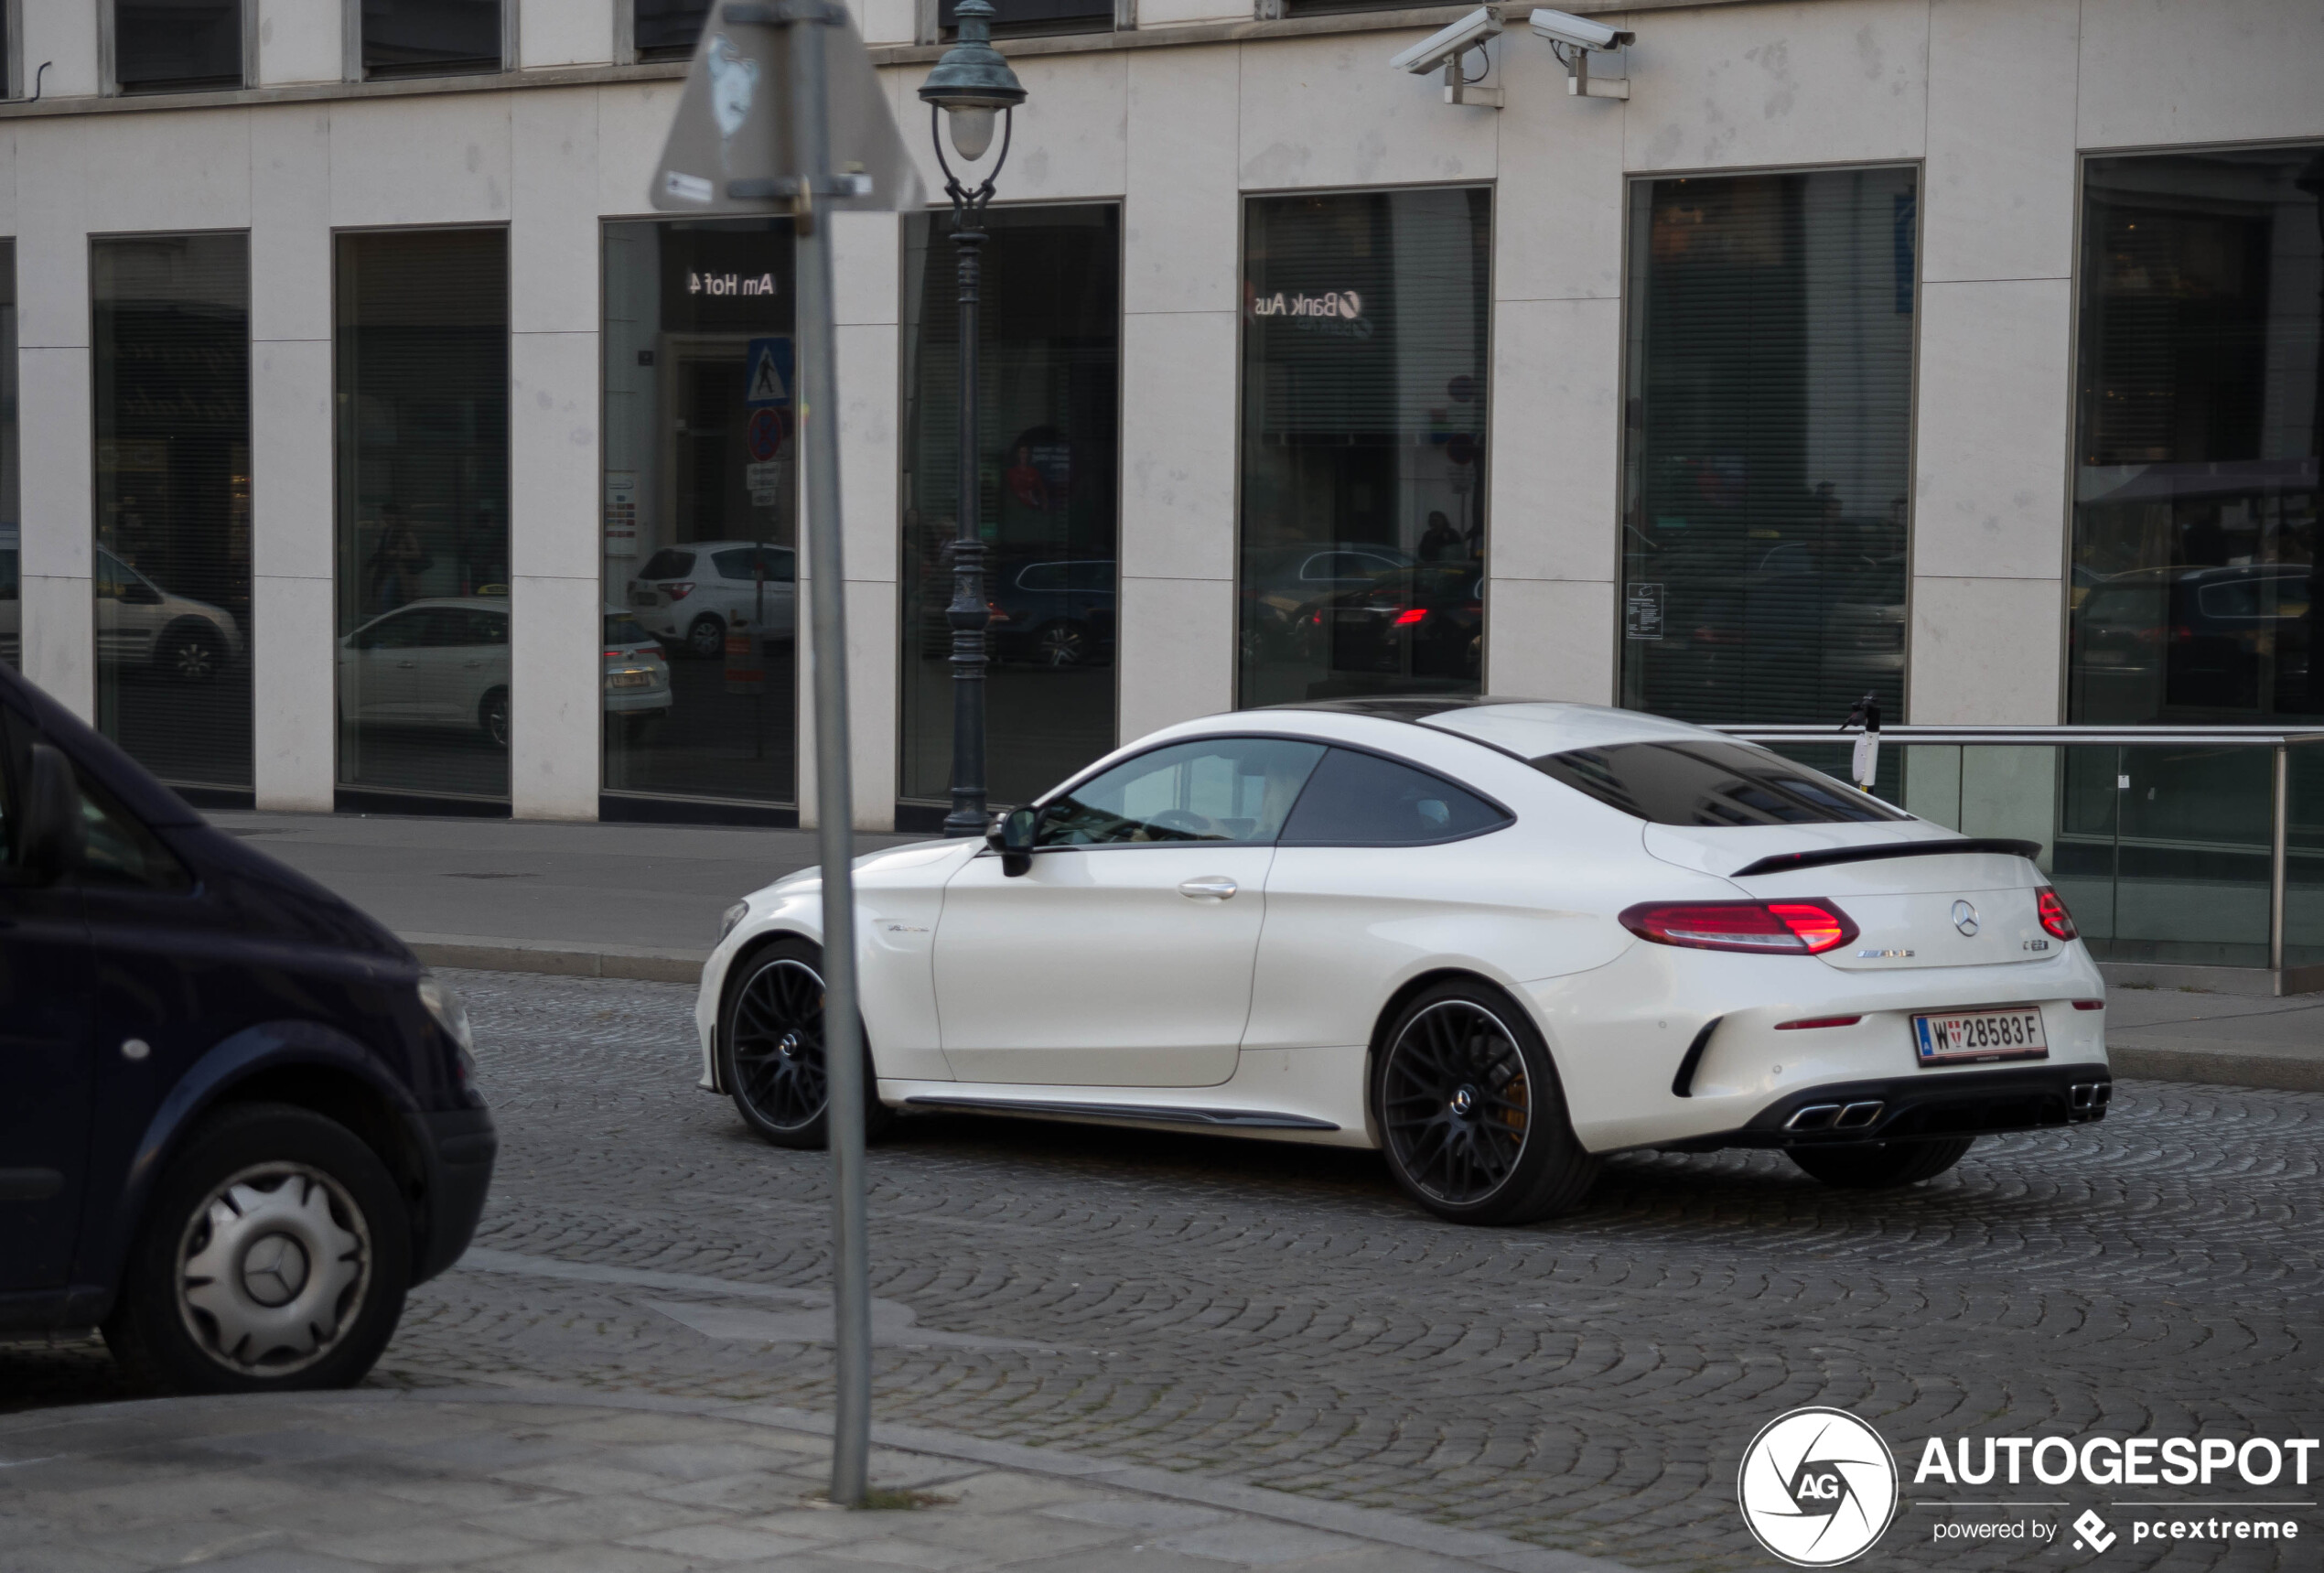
[{"x": 1819, "y": 1487}]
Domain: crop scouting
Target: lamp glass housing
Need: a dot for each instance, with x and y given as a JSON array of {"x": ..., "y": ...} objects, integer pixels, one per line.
[{"x": 971, "y": 125}]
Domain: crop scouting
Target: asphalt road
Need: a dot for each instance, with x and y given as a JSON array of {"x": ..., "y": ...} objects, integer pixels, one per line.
[{"x": 1281, "y": 1316}]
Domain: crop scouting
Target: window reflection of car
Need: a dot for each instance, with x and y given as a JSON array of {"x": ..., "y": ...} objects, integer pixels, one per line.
[
  {"x": 1280, "y": 582},
  {"x": 2210, "y": 634},
  {"x": 637, "y": 674},
  {"x": 1426, "y": 621},
  {"x": 141, "y": 624},
  {"x": 688, "y": 596},
  {"x": 434, "y": 663},
  {"x": 1053, "y": 613}
]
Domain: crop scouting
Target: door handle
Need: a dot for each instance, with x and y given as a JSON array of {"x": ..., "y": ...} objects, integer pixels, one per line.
[
  {"x": 1216, "y": 886},
  {"x": 471, "y": 666},
  {"x": 405, "y": 665}
]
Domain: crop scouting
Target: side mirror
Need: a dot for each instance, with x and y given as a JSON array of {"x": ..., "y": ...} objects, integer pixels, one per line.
[
  {"x": 1011, "y": 836},
  {"x": 51, "y": 834}
]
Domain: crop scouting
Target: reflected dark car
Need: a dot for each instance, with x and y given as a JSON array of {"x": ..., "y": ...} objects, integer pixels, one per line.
[
  {"x": 237, "y": 1119},
  {"x": 1279, "y": 582},
  {"x": 1796, "y": 625},
  {"x": 1426, "y": 621},
  {"x": 2232, "y": 638},
  {"x": 1051, "y": 613}
]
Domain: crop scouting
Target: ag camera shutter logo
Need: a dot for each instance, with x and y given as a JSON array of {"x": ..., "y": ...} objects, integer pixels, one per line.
[{"x": 1818, "y": 1487}]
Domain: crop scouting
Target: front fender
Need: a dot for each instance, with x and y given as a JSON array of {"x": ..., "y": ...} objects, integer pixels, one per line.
[{"x": 268, "y": 1046}]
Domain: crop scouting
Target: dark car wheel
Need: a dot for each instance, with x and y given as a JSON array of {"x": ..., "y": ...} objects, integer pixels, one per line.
[
  {"x": 1063, "y": 644},
  {"x": 770, "y": 1047},
  {"x": 492, "y": 717},
  {"x": 706, "y": 638},
  {"x": 191, "y": 651},
  {"x": 274, "y": 1255},
  {"x": 1882, "y": 1166},
  {"x": 1472, "y": 1117}
]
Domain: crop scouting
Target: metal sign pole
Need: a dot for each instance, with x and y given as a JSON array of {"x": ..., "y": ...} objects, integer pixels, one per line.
[{"x": 834, "y": 797}]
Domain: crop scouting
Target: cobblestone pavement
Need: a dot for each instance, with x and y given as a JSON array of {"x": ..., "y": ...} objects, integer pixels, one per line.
[{"x": 1280, "y": 1315}]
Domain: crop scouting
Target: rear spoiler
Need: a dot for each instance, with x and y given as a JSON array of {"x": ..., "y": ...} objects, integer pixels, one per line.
[{"x": 1784, "y": 862}]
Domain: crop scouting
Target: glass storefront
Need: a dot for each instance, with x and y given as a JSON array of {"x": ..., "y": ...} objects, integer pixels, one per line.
[
  {"x": 11, "y": 531},
  {"x": 422, "y": 581},
  {"x": 170, "y": 361},
  {"x": 1366, "y": 316},
  {"x": 2193, "y": 585},
  {"x": 1049, "y": 440},
  {"x": 700, "y": 511},
  {"x": 1767, "y": 452}
]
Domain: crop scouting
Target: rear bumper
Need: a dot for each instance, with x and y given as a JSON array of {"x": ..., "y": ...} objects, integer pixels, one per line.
[
  {"x": 456, "y": 1149},
  {"x": 1923, "y": 1107}
]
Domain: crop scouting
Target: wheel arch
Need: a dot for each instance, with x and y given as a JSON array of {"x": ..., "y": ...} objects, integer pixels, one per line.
[
  {"x": 1404, "y": 994},
  {"x": 305, "y": 1064},
  {"x": 738, "y": 965}
]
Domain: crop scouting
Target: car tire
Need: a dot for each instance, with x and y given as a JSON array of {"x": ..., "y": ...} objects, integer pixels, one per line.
[
  {"x": 1063, "y": 645},
  {"x": 770, "y": 1047},
  {"x": 1471, "y": 1114},
  {"x": 190, "y": 651},
  {"x": 706, "y": 638},
  {"x": 492, "y": 717},
  {"x": 1880, "y": 1166},
  {"x": 316, "y": 1245}
]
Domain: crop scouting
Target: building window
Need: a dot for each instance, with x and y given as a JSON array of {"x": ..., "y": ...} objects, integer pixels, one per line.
[
  {"x": 1365, "y": 324},
  {"x": 432, "y": 37},
  {"x": 1018, "y": 18},
  {"x": 422, "y": 369},
  {"x": 11, "y": 544},
  {"x": 700, "y": 511},
  {"x": 170, "y": 370},
  {"x": 1765, "y": 462},
  {"x": 666, "y": 30},
  {"x": 177, "y": 46},
  {"x": 1047, "y": 464},
  {"x": 2195, "y": 589}
]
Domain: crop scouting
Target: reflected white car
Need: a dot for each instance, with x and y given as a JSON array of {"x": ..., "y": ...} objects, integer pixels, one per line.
[
  {"x": 444, "y": 663},
  {"x": 688, "y": 596},
  {"x": 141, "y": 624},
  {"x": 1493, "y": 940}
]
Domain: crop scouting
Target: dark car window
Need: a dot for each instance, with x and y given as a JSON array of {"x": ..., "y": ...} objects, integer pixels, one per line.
[
  {"x": 782, "y": 566},
  {"x": 620, "y": 628},
  {"x": 1214, "y": 789},
  {"x": 667, "y": 564},
  {"x": 404, "y": 631},
  {"x": 1710, "y": 782},
  {"x": 734, "y": 565},
  {"x": 121, "y": 850},
  {"x": 1362, "y": 799}
]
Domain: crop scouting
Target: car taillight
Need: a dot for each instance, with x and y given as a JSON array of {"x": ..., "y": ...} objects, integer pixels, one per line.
[
  {"x": 2090, "y": 1004},
  {"x": 1413, "y": 615},
  {"x": 1818, "y": 1022},
  {"x": 677, "y": 592},
  {"x": 1793, "y": 928},
  {"x": 2055, "y": 918}
]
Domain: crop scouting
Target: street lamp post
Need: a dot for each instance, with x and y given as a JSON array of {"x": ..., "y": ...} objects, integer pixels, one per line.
[{"x": 971, "y": 84}]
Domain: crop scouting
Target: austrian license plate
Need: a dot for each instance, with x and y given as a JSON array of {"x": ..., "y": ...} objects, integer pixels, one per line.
[
  {"x": 630, "y": 680},
  {"x": 643, "y": 597},
  {"x": 1974, "y": 1037}
]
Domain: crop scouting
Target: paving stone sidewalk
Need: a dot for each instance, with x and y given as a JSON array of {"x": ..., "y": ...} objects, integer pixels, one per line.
[{"x": 543, "y": 1482}]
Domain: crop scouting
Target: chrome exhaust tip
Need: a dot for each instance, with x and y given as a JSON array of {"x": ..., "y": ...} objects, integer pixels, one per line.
[
  {"x": 1857, "y": 1116},
  {"x": 1814, "y": 1118}
]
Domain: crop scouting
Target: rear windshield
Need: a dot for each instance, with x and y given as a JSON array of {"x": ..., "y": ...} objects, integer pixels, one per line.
[
  {"x": 667, "y": 564},
  {"x": 1710, "y": 782},
  {"x": 626, "y": 630}
]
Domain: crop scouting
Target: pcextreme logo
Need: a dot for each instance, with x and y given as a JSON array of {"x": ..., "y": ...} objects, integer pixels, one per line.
[{"x": 1818, "y": 1487}]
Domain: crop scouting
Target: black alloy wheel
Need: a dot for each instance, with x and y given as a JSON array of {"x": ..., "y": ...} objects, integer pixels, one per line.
[
  {"x": 192, "y": 653},
  {"x": 706, "y": 638},
  {"x": 1063, "y": 644},
  {"x": 770, "y": 1047},
  {"x": 1880, "y": 1166},
  {"x": 492, "y": 717},
  {"x": 1472, "y": 1117}
]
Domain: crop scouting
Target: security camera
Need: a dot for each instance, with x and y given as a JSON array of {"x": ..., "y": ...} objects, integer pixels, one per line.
[
  {"x": 1573, "y": 38},
  {"x": 1578, "y": 32},
  {"x": 1447, "y": 46}
]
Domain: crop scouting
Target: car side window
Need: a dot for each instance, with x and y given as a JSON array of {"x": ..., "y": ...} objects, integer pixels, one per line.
[
  {"x": 1234, "y": 789},
  {"x": 121, "y": 851},
  {"x": 782, "y": 568},
  {"x": 1362, "y": 799}
]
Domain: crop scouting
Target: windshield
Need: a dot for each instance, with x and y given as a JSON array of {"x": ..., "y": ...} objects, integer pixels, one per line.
[{"x": 1710, "y": 782}]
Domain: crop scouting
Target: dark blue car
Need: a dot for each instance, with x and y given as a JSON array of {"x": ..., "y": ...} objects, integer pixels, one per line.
[{"x": 237, "y": 1118}]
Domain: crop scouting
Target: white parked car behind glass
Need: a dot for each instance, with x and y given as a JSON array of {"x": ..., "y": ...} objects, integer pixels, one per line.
[
  {"x": 1494, "y": 939},
  {"x": 141, "y": 624},
  {"x": 688, "y": 596},
  {"x": 445, "y": 662}
]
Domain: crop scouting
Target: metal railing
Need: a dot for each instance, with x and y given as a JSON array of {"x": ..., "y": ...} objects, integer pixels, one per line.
[{"x": 2280, "y": 742}]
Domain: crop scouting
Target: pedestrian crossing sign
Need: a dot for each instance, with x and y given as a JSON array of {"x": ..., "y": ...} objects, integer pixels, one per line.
[{"x": 770, "y": 367}]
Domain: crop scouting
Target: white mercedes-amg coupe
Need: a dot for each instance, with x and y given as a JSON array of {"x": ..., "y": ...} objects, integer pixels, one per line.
[{"x": 1493, "y": 939}]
